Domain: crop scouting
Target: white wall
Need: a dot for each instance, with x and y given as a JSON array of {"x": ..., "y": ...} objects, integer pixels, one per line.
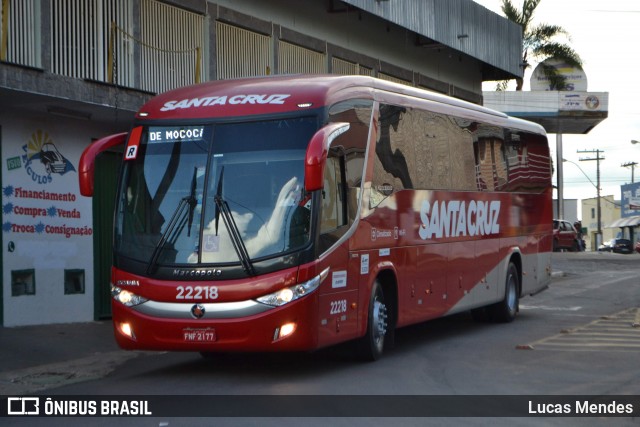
[{"x": 29, "y": 237}]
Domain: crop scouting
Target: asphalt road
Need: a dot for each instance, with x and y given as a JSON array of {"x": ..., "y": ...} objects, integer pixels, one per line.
[{"x": 580, "y": 337}]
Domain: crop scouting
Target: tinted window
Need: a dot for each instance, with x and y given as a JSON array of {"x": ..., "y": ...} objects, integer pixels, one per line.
[
  {"x": 419, "y": 149},
  {"x": 341, "y": 194}
]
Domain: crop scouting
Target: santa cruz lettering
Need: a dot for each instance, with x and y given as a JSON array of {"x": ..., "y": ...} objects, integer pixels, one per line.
[
  {"x": 456, "y": 218},
  {"x": 225, "y": 100}
]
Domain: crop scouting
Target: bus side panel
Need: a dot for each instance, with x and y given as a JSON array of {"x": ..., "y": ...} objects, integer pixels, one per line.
[
  {"x": 431, "y": 280},
  {"x": 490, "y": 288},
  {"x": 536, "y": 266},
  {"x": 337, "y": 319},
  {"x": 474, "y": 274},
  {"x": 463, "y": 273},
  {"x": 410, "y": 297}
]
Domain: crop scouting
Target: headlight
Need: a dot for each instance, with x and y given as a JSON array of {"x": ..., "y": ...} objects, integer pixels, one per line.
[
  {"x": 286, "y": 295},
  {"x": 125, "y": 297}
]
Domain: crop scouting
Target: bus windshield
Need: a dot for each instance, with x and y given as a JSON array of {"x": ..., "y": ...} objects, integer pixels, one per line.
[{"x": 215, "y": 194}]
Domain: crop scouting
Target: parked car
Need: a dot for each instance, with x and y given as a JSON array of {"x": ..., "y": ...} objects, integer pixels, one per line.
[
  {"x": 565, "y": 236},
  {"x": 618, "y": 246},
  {"x": 638, "y": 246}
]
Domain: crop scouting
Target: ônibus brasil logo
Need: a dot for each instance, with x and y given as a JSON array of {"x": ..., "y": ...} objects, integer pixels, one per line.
[{"x": 42, "y": 158}]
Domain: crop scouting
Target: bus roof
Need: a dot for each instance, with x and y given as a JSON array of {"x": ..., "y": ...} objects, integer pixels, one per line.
[{"x": 287, "y": 93}]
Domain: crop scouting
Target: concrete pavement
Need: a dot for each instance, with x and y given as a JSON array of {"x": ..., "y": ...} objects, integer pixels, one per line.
[{"x": 36, "y": 358}]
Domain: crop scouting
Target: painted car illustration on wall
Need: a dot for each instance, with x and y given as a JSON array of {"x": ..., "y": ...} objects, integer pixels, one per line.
[{"x": 52, "y": 159}]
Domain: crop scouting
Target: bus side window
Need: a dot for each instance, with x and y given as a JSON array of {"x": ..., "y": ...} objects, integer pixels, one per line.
[
  {"x": 352, "y": 147},
  {"x": 333, "y": 216},
  {"x": 394, "y": 163}
]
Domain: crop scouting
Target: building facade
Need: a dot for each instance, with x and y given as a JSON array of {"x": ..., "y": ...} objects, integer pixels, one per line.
[
  {"x": 628, "y": 224},
  {"x": 610, "y": 211},
  {"x": 74, "y": 71}
]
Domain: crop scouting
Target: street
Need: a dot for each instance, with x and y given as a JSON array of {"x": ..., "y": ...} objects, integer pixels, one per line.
[{"x": 580, "y": 337}]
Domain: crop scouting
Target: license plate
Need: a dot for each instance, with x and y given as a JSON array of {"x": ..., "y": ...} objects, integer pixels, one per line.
[{"x": 199, "y": 334}]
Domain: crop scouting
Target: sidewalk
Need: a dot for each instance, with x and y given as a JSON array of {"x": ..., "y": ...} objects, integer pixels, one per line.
[{"x": 34, "y": 358}]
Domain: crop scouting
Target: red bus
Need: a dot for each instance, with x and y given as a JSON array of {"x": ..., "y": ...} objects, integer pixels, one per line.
[{"x": 296, "y": 212}]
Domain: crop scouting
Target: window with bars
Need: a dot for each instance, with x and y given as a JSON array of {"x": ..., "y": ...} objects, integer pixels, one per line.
[
  {"x": 82, "y": 33},
  {"x": 241, "y": 53},
  {"x": 20, "y": 38},
  {"x": 344, "y": 67},
  {"x": 96, "y": 40},
  {"x": 173, "y": 47},
  {"x": 294, "y": 59}
]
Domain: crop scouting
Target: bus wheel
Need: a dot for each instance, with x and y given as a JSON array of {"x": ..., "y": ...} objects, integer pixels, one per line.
[
  {"x": 506, "y": 310},
  {"x": 372, "y": 344}
]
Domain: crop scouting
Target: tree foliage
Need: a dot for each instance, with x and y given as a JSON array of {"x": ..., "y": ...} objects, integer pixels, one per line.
[{"x": 540, "y": 42}]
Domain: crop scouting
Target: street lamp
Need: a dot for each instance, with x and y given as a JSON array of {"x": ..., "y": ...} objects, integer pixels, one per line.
[
  {"x": 583, "y": 172},
  {"x": 598, "y": 206}
]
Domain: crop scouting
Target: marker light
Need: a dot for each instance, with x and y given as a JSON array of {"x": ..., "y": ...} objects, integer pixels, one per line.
[
  {"x": 286, "y": 295},
  {"x": 125, "y": 297}
]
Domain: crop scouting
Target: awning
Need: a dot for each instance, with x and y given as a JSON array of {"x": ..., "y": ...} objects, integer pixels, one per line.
[{"x": 631, "y": 221}]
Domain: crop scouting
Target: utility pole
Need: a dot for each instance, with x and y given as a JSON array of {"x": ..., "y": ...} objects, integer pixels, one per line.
[
  {"x": 632, "y": 165},
  {"x": 599, "y": 209}
]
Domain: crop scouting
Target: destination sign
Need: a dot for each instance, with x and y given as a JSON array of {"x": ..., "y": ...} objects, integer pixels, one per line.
[{"x": 175, "y": 134}]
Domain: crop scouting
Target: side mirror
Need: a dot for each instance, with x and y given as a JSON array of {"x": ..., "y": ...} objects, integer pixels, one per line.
[
  {"x": 88, "y": 158},
  {"x": 317, "y": 154}
]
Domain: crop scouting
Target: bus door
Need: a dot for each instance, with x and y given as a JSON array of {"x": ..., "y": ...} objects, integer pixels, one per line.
[{"x": 339, "y": 293}]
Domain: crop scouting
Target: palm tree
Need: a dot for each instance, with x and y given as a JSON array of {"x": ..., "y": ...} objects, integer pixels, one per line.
[{"x": 539, "y": 43}]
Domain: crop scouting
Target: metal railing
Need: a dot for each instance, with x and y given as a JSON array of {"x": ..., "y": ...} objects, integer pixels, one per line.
[
  {"x": 241, "y": 53},
  {"x": 79, "y": 37},
  {"x": 172, "y": 46},
  {"x": 296, "y": 59},
  {"x": 344, "y": 67},
  {"x": 20, "y": 32}
]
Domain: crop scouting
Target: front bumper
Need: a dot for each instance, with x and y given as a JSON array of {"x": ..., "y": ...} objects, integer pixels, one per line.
[{"x": 243, "y": 326}]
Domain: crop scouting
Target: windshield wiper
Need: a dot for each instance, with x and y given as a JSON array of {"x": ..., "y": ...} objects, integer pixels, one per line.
[
  {"x": 173, "y": 230},
  {"x": 219, "y": 194},
  {"x": 192, "y": 201},
  {"x": 222, "y": 208}
]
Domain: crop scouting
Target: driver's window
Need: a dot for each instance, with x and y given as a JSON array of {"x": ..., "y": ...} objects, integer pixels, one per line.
[{"x": 332, "y": 216}]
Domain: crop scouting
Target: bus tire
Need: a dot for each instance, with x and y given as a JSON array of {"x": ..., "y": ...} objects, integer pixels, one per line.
[
  {"x": 505, "y": 311},
  {"x": 371, "y": 346}
]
